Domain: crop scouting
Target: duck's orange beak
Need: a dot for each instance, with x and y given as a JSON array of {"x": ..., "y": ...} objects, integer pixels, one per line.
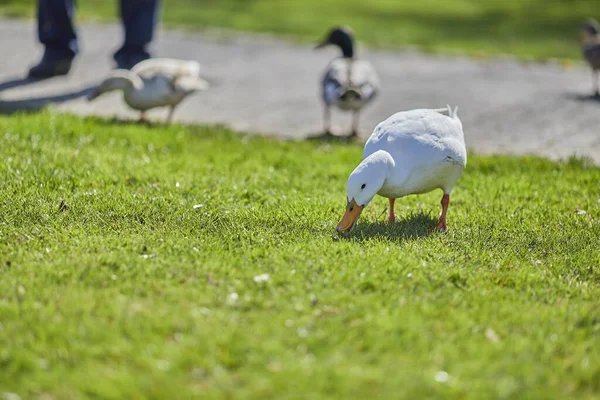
[{"x": 350, "y": 217}]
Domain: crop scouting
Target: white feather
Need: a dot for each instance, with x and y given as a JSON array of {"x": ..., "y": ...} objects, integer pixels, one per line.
[
  {"x": 167, "y": 67},
  {"x": 427, "y": 147}
]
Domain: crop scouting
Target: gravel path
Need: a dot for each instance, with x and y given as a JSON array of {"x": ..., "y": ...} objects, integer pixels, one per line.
[{"x": 270, "y": 86}]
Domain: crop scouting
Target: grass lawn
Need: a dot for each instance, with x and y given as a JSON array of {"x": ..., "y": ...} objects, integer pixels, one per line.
[
  {"x": 191, "y": 262},
  {"x": 530, "y": 28}
]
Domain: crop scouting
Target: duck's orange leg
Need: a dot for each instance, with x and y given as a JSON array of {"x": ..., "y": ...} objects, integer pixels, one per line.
[
  {"x": 445, "y": 201},
  {"x": 392, "y": 217}
]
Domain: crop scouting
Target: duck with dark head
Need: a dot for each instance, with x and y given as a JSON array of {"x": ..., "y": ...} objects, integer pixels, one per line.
[
  {"x": 348, "y": 83},
  {"x": 590, "y": 37}
]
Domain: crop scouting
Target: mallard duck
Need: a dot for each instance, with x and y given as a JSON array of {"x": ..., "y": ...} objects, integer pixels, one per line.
[
  {"x": 590, "y": 36},
  {"x": 411, "y": 152},
  {"x": 158, "y": 82},
  {"x": 348, "y": 83}
]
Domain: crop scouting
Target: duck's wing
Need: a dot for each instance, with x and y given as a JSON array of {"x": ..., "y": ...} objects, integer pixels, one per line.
[
  {"x": 182, "y": 75},
  {"x": 335, "y": 80},
  {"x": 592, "y": 55},
  {"x": 190, "y": 84},
  {"x": 167, "y": 67},
  {"x": 424, "y": 133}
]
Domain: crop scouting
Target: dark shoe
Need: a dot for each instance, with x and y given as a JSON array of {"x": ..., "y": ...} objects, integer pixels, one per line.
[
  {"x": 127, "y": 56},
  {"x": 128, "y": 61},
  {"x": 47, "y": 68}
]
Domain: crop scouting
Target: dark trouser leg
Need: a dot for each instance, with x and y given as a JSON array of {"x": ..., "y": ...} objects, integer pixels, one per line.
[
  {"x": 139, "y": 19},
  {"x": 55, "y": 28},
  {"x": 57, "y": 34}
]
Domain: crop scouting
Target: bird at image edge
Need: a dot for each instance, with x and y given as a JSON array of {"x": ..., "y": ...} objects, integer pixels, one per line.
[
  {"x": 590, "y": 37},
  {"x": 411, "y": 152},
  {"x": 349, "y": 83},
  {"x": 157, "y": 82}
]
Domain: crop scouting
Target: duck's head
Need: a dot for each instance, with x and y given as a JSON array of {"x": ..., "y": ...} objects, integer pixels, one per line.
[
  {"x": 363, "y": 184},
  {"x": 341, "y": 37},
  {"x": 118, "y": 80},
  {"x": 590, "y": 31}
]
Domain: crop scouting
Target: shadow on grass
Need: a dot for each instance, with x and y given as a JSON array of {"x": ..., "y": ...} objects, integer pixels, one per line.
[
  {"x": 111, "y": 121},
  {"x": 416, "y": 226},
  {"x": 326, "y": 138},
  {"x": 321, "y": 137}
]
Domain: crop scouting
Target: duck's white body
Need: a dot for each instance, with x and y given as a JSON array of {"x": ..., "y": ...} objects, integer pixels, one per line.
[
  {"x": 428, "y": 149},
  {"x": 166, "y": 82},
  {"x": 159, "y": 82},
  {"x": 411, "y": 152},
  {"x": 157, "y": 91}
]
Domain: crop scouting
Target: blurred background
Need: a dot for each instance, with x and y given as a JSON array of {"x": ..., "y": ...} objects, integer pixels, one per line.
[
  {"x": 539, "y": 100},
  {"x": 526, "y": 28}
]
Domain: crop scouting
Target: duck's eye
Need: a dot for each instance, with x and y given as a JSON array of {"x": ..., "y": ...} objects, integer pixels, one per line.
[{"x": 364, "y": 185}]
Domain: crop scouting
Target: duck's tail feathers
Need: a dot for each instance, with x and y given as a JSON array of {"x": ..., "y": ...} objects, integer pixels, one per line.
[
  {"x": 350, "y": 93},
  {"x": 452, "y": 113},
  {"x": 189, "y": 84}
]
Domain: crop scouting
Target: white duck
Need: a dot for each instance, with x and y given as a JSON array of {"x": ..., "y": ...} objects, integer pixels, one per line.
[
  {"x": 411, "y": 152},
  {"x": 157, "y": 82},
  {"x": 348, "y": 83}
]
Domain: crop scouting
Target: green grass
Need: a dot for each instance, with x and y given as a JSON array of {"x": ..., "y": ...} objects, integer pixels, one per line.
[
  {"x": 526, "y": 28},
  {"x": 128, "y": 291}
]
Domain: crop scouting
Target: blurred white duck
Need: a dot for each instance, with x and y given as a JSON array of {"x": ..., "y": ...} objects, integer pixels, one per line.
[
  {"x": 348, "y": 83},
  {"x": 157, "y": 82},
  {"x": 411, "y": 152},
  {"x": 590, "y": 36}
]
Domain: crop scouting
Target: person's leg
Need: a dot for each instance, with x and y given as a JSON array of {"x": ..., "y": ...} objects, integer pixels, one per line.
[
  {"x": 57, "y": 34},
  {"x": 139, "y": 19}
]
